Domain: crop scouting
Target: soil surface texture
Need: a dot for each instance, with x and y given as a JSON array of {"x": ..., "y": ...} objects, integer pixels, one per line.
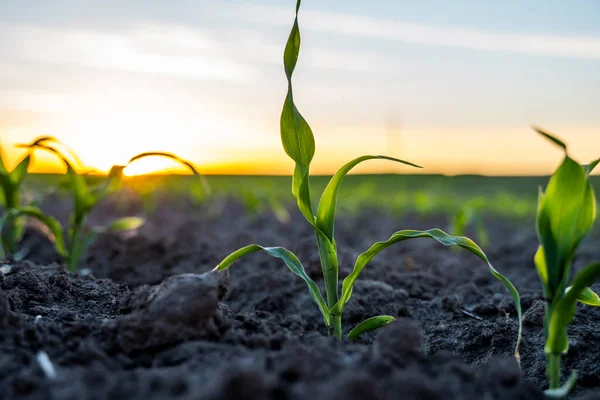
[{"x": 146, "y": 319}]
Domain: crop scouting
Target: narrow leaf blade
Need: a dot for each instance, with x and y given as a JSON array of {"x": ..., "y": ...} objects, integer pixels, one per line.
[
  {"x": 51, "y": 223},
  {"x": 20, "y": 172},
  {"x": 328, "y": 202},
  {"x": 564, "y": 309},
  {"x": 591, "y": 166},
  {"x": 440, "y": 237},
  {"x": 551, "y": 138},
  {"x": 589, "y": 297},
  {"x": 370, "y": 324},
  {"x": 292, "y": 262},
  {"x": 296, "y": 135},
  {"x": 203, "y": 182},
  {"x": 124, "y": 224}
]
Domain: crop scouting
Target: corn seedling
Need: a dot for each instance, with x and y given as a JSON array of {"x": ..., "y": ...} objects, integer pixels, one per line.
[
  {"x": 85, "y": 198},
  {"x": 10, "y": 199},
  {"x": 299, "y": 144},
  {"x": 566, "y": 213},
  {"x": 469, "y": 216}
]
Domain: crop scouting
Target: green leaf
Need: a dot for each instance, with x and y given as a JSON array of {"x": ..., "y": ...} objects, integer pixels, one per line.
[
  {"x": 563, "y": 311},
  {"x": 79, "y": 248},
  {"x": 590, "y": 167},
  {"x": 370, "y": 324},
  {"x": 83, "y": 198},
  {"x": 205, "y": 187},
  {"x": 51, "y": 223},
  {"x": 2, "y": 156},
  {"x": 540, "y": 264},
  {"x": 296, "y": 136},
  {"x": 564, "y": 390},
  {"x": 20, "y": 172},
  {"x": 565, "y": 215},
  {"x": 45, "y": 142},
  {"x": 292, "y": 263},
  {"x": 123, "y": 224},
  {"x": 439, "y": 236},
  {"x": 328, "y": 202},
  {"x": 588, "y": 297},
  {"x": 7, "y": 190},
  {"x": 6, "y": 219},
  {"x": 551, "y": 138},
  {"x": 110, "y": 184}
]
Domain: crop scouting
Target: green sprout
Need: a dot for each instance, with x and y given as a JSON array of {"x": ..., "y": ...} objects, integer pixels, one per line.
[
  {"x": 467, "y": 216},
  {"x": 566, "y": 213},
  {"x": 85, "y": 197},
  {"x": 299, "y": 144},
  {"x": 10, "y": 199}
]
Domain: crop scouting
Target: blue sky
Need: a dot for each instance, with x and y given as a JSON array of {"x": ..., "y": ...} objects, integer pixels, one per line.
[{"x": 454, "y": 85}]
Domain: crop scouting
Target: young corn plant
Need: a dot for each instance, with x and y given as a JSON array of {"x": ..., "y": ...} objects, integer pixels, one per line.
[
  {"x": 85, "y": 198},
  {"x": 10, "y": 199},
  {"x": 299, "y": 144},
  {"x": 566, "y": 213},
  {"x": 469, "y": 216}
]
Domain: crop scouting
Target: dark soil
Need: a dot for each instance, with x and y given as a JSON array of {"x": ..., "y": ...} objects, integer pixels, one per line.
[{"x": 149, "y": 322}]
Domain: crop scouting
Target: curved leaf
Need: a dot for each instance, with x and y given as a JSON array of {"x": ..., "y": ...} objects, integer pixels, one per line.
[
  {"x": 292, "y": 263},
  {"x": 588, "y": 296},
  {"x": 439, "y": 236},
  {"x": 123, "y": 224},
  {"x": 20, "y": 172},
  {"x": 370, "y": 324},
  {"x": 6, "y": 218},
  {"x": 2, "y": 156},
  {"x": 328, "y": 202},
  {"x": 51, "y": 223},
  {"x": 44, "y": 142},
  {"x": 591, "y": 166},
  {"x": 205, "y": 186}
]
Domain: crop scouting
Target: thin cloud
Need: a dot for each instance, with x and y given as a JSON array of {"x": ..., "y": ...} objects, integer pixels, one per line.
[
  {"x": 145, "y": 48},
  {"x": 581, "y": 47}
]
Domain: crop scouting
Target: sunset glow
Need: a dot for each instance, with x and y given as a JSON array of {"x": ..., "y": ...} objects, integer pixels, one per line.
[{"x": 455, "y": 90}]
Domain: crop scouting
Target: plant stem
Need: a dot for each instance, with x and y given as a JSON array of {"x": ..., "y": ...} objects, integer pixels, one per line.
[
  {"x": 74, "y": 246},
  {"x": 329, "y": 265},
  {"x": 9, "y": 234},
  {"x": 553, "y": 370}
]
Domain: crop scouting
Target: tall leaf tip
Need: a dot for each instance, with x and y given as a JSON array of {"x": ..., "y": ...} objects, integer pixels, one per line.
[{"x": 551, "y": 138}]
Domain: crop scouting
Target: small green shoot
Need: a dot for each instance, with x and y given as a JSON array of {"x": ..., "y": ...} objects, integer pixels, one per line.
[
  {"x": 10, "y": 199},
  {"x": 470, "y": 216},
  {"x": 85, "y": 198},
  {"x": 566, "y": 213},
  {"x": 299, "y": 144}
]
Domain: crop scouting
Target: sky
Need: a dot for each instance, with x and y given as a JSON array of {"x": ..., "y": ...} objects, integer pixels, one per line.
[{"x": 453, "y": 86}]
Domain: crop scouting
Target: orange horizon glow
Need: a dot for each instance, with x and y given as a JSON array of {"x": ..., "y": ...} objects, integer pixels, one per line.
[
  {"x": 454, "y": 89},
  {"x": 280, "y": 165}
]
